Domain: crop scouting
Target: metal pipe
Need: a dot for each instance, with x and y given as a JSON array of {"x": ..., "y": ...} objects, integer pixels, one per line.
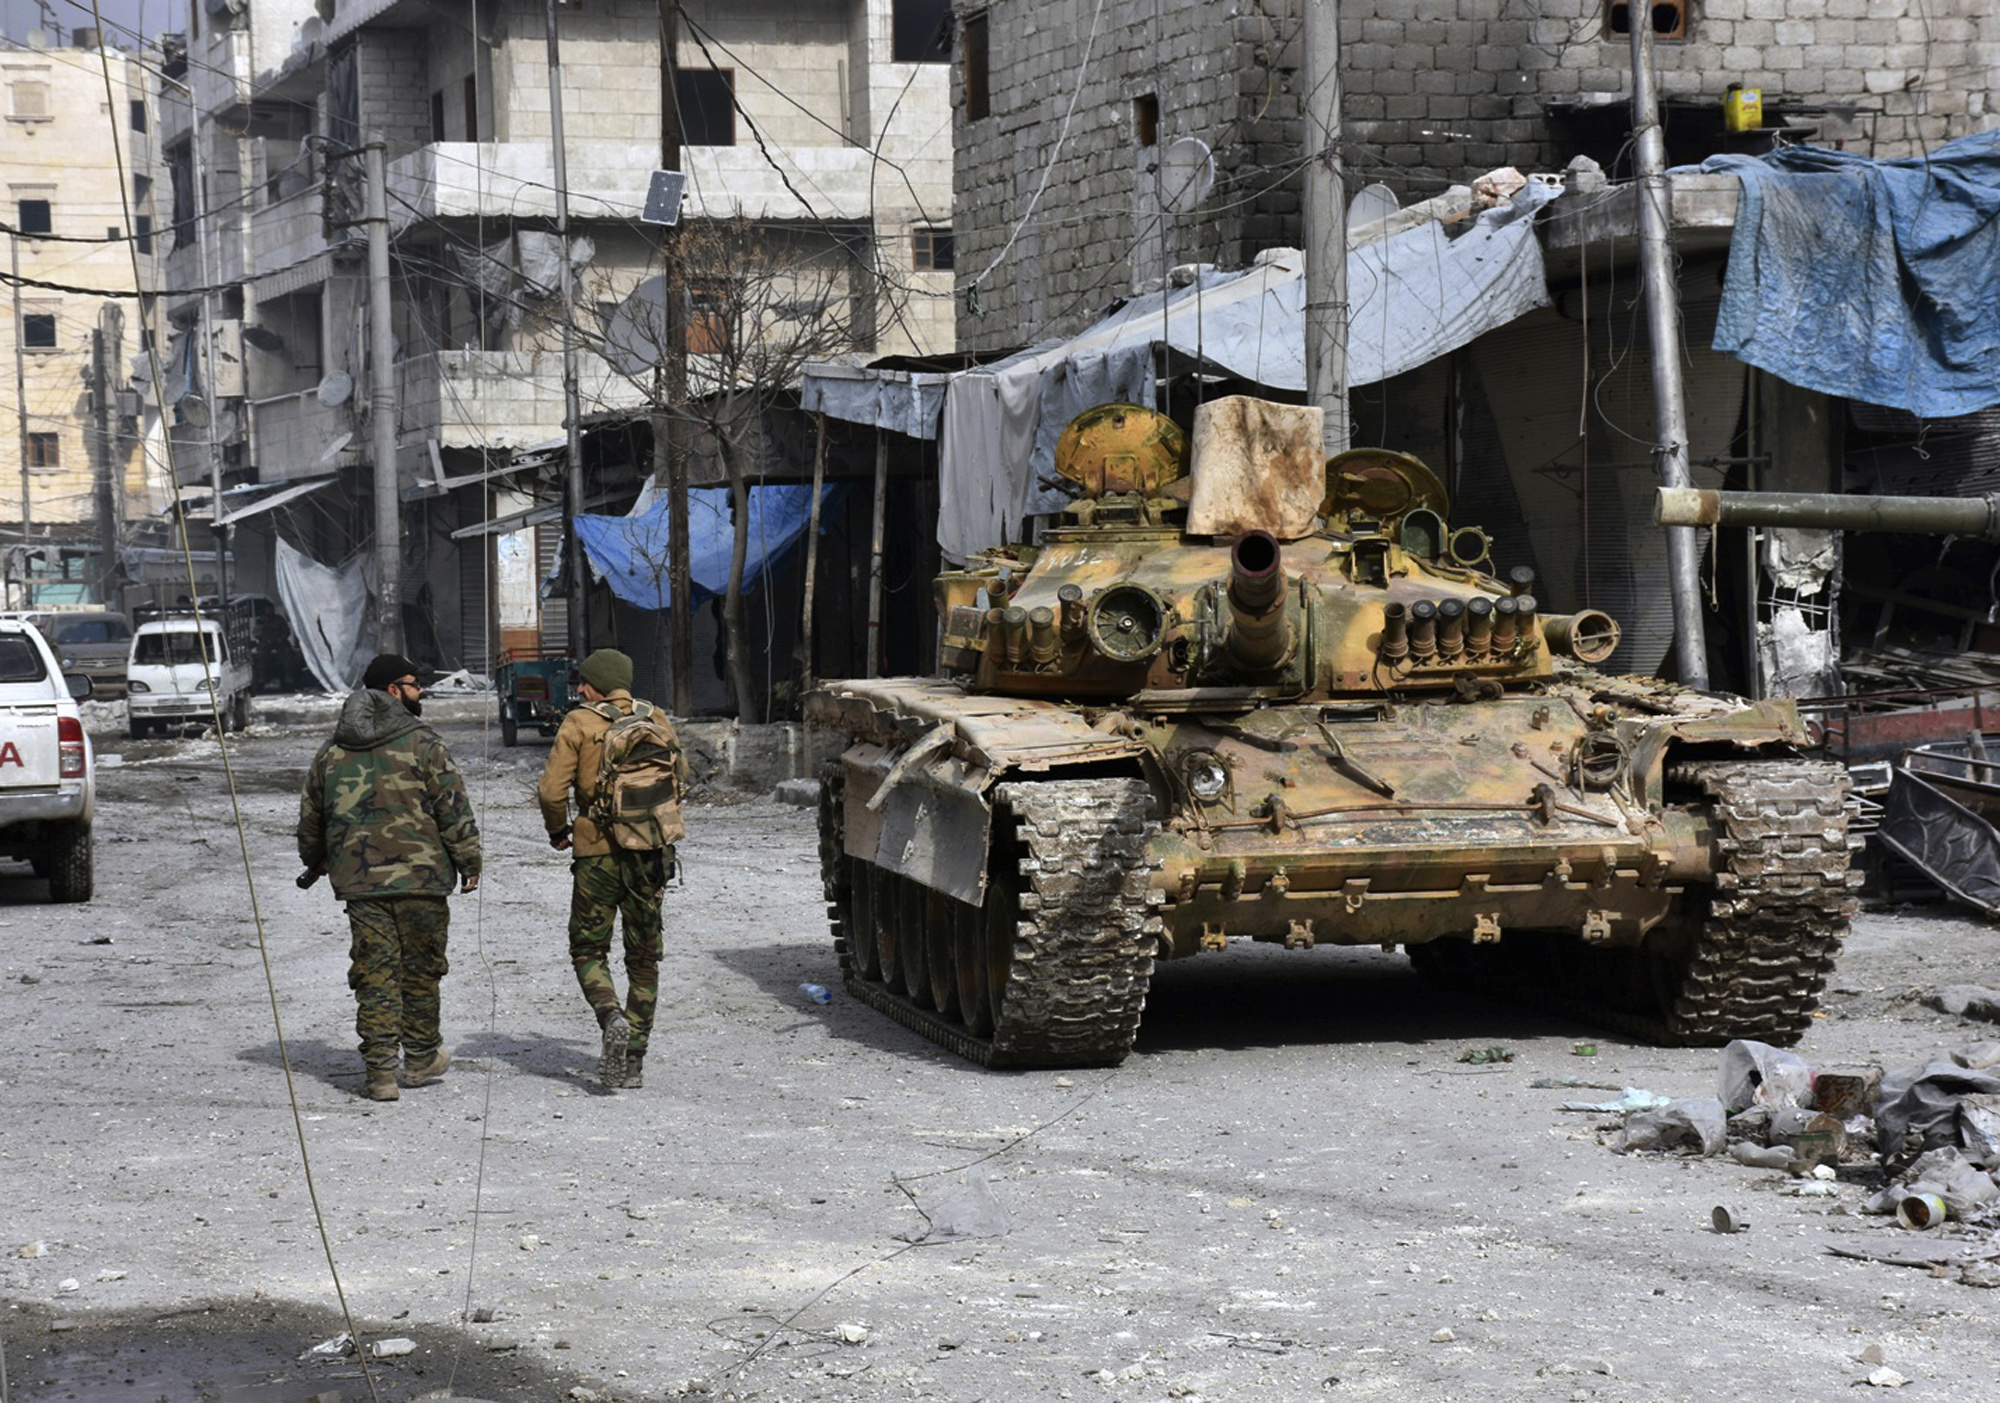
[
  {"x": 1395, "y": 633},
  {"x": 875, "y": 553},
  {"x": 1043, "y": 645},
  {"x": 1663, "y": 325},
  {"x": 1834, "y": 511},
  {"x": 381, "y": 415},
  {"x": 1479, "y": 626},
  {"x": 1451, "y": 629},
  {"x": 1259, "y": 635}
]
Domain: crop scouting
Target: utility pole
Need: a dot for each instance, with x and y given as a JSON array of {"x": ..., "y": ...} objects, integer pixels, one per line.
[
  {"x": 1663, "y": 326},
  {"x": 21, "y": 397},
  {"x": 667, "y": 449},
  {"x": 1326, "y": 227},
  {"x": 381, "y": 411},
  {"x": 105, "y": 339},
  {"x": 575, "y": 578}
]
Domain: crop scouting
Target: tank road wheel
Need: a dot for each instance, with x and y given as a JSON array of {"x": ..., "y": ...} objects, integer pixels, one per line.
[
  {"x": 912, "y": 944},
  {"x": 836, "y": 876},
  {"x": 863, "y": 937},
  {"x": 941, "y": 952},
  {"x": 1052, "y": 971},
  {"x": 968, "y": 938},
  {"x": 888, "y": 924}
]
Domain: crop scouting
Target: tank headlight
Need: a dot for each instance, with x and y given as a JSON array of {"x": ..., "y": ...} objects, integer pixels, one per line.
[{"x": 1206, "y": 777}]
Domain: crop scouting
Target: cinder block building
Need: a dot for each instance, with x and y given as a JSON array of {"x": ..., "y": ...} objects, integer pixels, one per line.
[
  {"x": 1103, "y": 143},
  {"x": 820, "y": 128},
  {"x": 79, "y": 168}
]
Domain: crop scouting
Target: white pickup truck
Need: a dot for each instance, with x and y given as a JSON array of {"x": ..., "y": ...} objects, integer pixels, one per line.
[{"x": 47, "y": 780}]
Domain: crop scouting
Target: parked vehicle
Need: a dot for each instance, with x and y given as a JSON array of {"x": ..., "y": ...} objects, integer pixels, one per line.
[
  {"x": 176, "y": 665},
  {"x": 534, "y": 691},
  {"x": 47, "y": 779},
  {"x": 94, "y": 642}
]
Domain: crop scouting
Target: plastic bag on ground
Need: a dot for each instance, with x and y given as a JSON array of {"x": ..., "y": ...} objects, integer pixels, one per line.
[
  {"x": 1964, "y": 1187},
  {"x": 1918, "y": 1107},
  {"x": 1697, "y": 1125},
  {"x": 1757, "y": 1074},
  {"x": 971, "y": 1211}
]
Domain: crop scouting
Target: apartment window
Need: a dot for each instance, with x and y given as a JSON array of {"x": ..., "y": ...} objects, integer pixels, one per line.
[
  {"x": 707, "y": 100},
  {"x": 934, "y": 251},
  {"x": 44, "y": 453},
  {"x": 138, "y": 114},
  {"x": 1146, "y": 119},
  {"x": 471, "y": 107},
  {"x": 1669, "y": 18},
  {"x": 29, "y": 101},
  {"x": 437, "y": 115},
  {"x": 977, "y": 101},
  {"x": 708, "y": 317},
  {"x": 33, "y": 217},
  {"x": 180, "y": 168},
  {"x": 920, "y": 31},
  {"x": 142, "y": 232},
  {"x": 38, "y": 331}
]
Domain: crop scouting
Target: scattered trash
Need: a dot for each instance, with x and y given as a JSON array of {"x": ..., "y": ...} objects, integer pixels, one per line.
[
  {"x": 1761, "y": 1156},
  {"x": 816, "y": 993},
  {"x": 529, "y": 1242},
  {"x": 851, "y": 1334},
  {"x": 1922, "y": 1104},
  {"x": 1920, "y": 1211},
  {"x": 1886, "y": 1378},
  {"x": 1573, "y": 1083},
  {"x": 1845, "y": 1095},
  {"x": 338, "y": 1347},
  {"x": 1814, "y": 1188},
  {"x": 1977, "y": 1057},
  {"x": 485, "y": 1315},
  {"x": 971, "y": 1211},
  {"x": 1480, "y": 1056},
  {"x": 389, "y": 1349},
  {"x": 1697, "y": 1125},
  {"x": 1727, "y": 1219},
  {"x": 1630, "y": 1099},
  {"x": 1966, "y": 1001},
  {"x": 1757, "y": 1074},
  {"x": 32, "y": 1249},
  {"x": 1584, "y": 1050}
]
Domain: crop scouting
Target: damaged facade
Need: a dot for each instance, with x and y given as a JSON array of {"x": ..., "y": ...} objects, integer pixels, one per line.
[
  {"x": 1068, "y": 116},
  {"x": 812, "y": 125}
]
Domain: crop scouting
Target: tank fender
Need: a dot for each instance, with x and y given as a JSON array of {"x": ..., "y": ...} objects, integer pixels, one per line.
[
  {"x": 1773, "y": 721},
  {"x": 920, "y": 812}
]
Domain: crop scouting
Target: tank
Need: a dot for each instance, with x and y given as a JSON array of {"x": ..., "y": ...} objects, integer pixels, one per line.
[{"x": 1246, "y": 693}]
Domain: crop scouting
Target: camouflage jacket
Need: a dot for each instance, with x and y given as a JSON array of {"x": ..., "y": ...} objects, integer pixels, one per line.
[{"x": 384, "y": 810}]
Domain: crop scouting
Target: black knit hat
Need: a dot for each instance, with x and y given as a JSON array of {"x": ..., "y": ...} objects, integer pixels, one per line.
[
  {"x": 387, "y": 668},
  {"x": 608, "y": 670}
]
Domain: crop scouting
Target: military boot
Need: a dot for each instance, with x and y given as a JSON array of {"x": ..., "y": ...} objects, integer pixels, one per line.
[
  {"x": 381, "y": 1086},
  {"x": 635, "y": 1064},
  {"x": 425, "y": 1070},
  {"x": 617, "y": 1041}
]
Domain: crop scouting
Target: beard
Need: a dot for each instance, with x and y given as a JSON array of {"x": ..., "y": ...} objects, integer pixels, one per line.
[{"x": 415, "y": 708}]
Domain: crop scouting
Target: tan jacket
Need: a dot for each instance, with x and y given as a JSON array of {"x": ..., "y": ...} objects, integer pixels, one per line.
[{"x": 571, "y": 775}]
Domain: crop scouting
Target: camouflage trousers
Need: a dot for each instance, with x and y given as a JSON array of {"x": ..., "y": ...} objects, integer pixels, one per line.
[
  {"x": 601, "y": 888},
  {"x": 395, "y": 963}
]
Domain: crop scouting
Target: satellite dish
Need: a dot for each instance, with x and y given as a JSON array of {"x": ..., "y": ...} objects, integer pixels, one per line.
[
  {"x": 195, "y": 412},
  {"x": 636, "y": 336},
  {"x": 225, "y": 426},
  {"x": 335, "y": 389},
  {"x": 332, "y": 450},
  {"x": 325, "y": 9},
  {"x": 264, "y": 339},
  {"x": 1370, "y": 203},
  {"x": 1187, "y": 174},
  {"x": 310, "y": 29}
]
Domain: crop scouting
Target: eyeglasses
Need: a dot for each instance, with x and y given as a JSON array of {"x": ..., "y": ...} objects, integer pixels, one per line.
[{"x": 409, "y": 682}]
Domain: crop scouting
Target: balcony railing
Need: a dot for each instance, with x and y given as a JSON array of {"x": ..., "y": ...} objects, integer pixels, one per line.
[{"x": 501, "y": 399}]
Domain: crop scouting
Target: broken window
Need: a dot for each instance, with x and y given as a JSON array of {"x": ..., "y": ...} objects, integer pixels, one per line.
[
  {"x": 707, "y": 101},
  {"x": 920, "y": 31},
  {"x": 1669, "y": 18},
  {"x": 978, "y": 102}
]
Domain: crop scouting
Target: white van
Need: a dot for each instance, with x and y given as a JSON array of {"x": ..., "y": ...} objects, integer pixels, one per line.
[{"x": 167, "y": 685}]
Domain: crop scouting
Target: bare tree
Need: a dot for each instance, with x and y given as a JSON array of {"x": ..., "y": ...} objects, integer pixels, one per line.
[{"x": 760, "y": 302}]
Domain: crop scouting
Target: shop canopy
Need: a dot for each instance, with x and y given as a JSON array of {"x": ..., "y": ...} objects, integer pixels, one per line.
[
  {"x": 1415, "y": 295},
  {"x": 630, "y": 552}
]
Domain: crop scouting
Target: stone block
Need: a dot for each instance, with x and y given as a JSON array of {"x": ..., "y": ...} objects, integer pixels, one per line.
[
  {"x": 1764, "y": 9},
  {"x": 1426, "y": 34},
  {"x": 1450, "y": 107}
]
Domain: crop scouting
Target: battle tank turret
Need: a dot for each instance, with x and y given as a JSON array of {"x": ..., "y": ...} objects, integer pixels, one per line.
[{"x": 1247, "y": 693}]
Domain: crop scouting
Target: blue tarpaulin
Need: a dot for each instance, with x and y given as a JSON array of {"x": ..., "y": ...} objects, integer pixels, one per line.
[
  {"x": 631, "y": 551},
  {"x": 1875, "y": 280}
]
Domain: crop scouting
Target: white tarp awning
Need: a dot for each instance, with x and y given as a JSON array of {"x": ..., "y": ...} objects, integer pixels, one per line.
[{"x": 1414, "y": 296}]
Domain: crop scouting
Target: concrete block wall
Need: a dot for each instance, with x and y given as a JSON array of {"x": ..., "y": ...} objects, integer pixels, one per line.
[
  {"x": 394, "y": 71},
  {"x": 1436, "y": 91}
]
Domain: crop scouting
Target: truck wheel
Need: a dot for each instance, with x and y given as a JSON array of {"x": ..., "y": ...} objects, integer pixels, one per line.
[
  {"x": 139, "y": 729},
  {"x": 510, "y": 729},
  {"x": 239, "y": 712},
  {"x": 71, "y": 872}
]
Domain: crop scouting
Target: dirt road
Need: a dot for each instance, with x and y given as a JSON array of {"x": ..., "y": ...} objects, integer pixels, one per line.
[{"x": 1294, "y": 1189}]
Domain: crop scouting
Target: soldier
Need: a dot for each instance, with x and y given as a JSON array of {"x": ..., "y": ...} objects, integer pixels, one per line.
[
  {"x": 607, "y": 878},
  {"x": 385, "y": 813}
]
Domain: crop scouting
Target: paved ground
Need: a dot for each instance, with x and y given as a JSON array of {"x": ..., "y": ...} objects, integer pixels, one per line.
[{"x": 1294, "y": 1189}]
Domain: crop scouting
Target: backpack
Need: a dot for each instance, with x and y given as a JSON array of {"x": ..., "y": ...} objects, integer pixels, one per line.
[{"x": 637, "y": 803}]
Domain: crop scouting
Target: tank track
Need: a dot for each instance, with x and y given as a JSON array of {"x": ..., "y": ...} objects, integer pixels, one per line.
[
  {"x": 1779, "y": 908},
  {"x": 1755, "y": 948},
  {"x": 1088, "y": 928}
]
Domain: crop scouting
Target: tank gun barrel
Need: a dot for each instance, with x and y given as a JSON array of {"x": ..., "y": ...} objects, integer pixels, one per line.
[
  {"x": 1949, "y": 516},
  {"x": 1258, "y": 637}
]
